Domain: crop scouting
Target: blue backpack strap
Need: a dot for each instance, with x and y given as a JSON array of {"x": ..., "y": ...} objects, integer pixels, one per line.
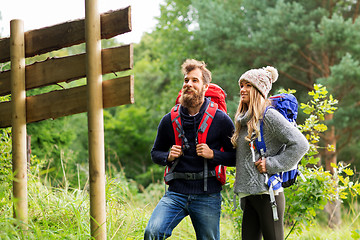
[{"x": 259, "y": 141}]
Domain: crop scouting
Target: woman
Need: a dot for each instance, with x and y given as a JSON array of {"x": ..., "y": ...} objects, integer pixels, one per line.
[{"x": 285, "y": 146}]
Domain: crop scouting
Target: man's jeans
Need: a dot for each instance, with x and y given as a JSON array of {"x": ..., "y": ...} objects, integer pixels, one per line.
[{"x": 204, "y": 211}]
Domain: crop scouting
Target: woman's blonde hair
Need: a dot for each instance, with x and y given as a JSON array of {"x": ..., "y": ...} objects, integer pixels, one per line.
[{"x": 255, "y": 110}]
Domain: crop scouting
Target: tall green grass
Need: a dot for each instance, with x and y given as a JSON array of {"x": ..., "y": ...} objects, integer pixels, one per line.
[{"x": 63, "y": 213}]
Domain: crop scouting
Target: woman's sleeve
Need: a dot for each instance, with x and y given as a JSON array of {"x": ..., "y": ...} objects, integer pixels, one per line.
[{"x": 284, "y": 132}]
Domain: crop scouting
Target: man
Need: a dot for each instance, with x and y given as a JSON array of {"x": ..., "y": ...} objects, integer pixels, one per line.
[{"x": 188, "y": 196}]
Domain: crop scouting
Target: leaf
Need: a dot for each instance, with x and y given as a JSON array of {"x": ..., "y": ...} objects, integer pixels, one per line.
[
  {"x": 313, "y": 160},
  {"x": 356, "y": 188},
  {"x": 331, "y": 148},
  {"x": 320, "y": 127},
  {"x": 355, "y": 234},
  {"x": 349, "y": 171}
]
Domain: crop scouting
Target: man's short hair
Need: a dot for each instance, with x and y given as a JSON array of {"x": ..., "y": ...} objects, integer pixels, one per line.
[{"x": 191, "y": 64}]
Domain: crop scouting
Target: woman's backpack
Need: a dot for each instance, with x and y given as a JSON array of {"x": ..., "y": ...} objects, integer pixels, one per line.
[{"x": 287, "y": 105}]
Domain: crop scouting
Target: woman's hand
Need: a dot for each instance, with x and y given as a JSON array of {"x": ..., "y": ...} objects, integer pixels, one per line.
[{"x": 261, "y": 165}]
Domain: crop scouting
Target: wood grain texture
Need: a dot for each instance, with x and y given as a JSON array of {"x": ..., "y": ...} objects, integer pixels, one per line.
[
  {"x": 66, "y": 102},
  {"x": 65, "y": 69},
  {"x": 67, "y": 34}
]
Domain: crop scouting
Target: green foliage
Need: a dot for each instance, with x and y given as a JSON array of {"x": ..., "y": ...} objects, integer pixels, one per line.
[
  {"x": 127, "y": 134},
  {"x": 344, "y": 185},
  {"x": 355, "y": 234},
  {"x": 306, "y": 198},
  {"x": 320, "y": 105},
  {"x": 63, "y": 213},
  {"x": 48, "y": 139},
  {"x": 6, "y": 175},
  {"x": 228, "y": 208},
  {"x": 316, "y": 108}
]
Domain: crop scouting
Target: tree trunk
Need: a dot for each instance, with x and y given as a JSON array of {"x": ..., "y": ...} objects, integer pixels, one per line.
[
  {"x": 332, "y": 208},
  {"x": 334, "y": 213}
]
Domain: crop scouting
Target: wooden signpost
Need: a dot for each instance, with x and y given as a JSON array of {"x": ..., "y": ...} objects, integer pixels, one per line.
[
  {"x": 18, "y": 118},
  {"x": 92, "y": 98}
]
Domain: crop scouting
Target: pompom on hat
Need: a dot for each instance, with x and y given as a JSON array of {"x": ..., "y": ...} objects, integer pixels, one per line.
[{"x": 261, "y": 78}]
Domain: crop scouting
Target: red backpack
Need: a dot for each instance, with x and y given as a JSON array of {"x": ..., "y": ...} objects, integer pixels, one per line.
[{"x": 217, "y": 101}]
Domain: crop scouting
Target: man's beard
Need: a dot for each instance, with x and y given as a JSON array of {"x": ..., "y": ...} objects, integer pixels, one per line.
[{"x": 194, "y": 99}]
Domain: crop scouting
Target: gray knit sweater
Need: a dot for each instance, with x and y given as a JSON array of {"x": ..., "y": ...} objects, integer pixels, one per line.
[{"x": 277, "y": 133}]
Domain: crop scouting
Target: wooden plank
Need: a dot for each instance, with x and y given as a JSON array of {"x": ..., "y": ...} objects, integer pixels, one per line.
[
  {"x": 71, "y": 101},
  {"x": 118, "y": 91},
  {"x": 5, "y": 114},
  {"x": 4, "y": 50},
  {"x": 65, "y": 69},
  {"x": 67, "y": 34}
]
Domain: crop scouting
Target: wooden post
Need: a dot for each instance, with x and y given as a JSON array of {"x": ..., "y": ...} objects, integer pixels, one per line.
[
  {"x": 18, "y": 118},
  {"x": 95, "y": 120}
]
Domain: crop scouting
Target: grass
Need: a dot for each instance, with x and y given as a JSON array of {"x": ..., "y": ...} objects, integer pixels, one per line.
[{"x": 63, "y": 213}]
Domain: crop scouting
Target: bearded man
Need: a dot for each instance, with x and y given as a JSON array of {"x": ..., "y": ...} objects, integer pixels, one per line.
[{"x": 187, "y": 195}]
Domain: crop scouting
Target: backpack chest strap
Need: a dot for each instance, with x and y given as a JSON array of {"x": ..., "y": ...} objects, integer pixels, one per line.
[{"x": 188, "y": 176}]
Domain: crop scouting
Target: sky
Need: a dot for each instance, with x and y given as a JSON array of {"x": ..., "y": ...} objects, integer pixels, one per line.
[{"x": 42, "y": 13}]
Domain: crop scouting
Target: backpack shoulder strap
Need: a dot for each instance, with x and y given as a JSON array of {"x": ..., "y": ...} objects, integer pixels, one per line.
[
  {"x": 176, "y": 123},
  {"x": 259, "y": 141},
  {"x": 206, "y": 122},
  {"x": 203, "y": 130}
]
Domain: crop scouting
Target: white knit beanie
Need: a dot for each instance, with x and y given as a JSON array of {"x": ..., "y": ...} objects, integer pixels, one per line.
[{"x": 261, "y": 78}]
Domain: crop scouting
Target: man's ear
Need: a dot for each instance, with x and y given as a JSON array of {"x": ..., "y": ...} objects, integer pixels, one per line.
[{"x": 206, "y": 86}]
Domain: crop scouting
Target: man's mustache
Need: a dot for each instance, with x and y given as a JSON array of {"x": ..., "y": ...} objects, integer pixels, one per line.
[{"x": 188, "y": 89}]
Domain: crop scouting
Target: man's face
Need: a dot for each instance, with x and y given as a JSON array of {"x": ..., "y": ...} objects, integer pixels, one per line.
[{"x": 193, "y": 90}]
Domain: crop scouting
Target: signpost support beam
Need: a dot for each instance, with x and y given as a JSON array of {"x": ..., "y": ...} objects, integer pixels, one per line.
[
  {"x": 18, "y": 118},
  {"x": 95, "y": 120}
]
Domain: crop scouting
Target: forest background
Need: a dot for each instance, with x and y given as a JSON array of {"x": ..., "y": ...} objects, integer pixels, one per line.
[{"x": 309, "y": 42}]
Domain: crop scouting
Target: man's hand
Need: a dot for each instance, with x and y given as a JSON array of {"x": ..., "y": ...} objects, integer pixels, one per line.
[
  {"x": 203, "y": 150},
  {"x": 261, "y": 165},
  {"x": 174, "y": 153}
]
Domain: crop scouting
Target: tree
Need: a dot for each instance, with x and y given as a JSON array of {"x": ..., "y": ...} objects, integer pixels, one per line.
[
  {"x": 308, "y": 41},
  {"x": 129, "y": 138}
]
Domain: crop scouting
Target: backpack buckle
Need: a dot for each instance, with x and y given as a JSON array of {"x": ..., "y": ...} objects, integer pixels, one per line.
[{"x": 190, "y": 176}]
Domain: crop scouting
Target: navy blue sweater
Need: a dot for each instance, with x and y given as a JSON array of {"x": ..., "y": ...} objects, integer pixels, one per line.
[{"x": 219, "y": 135}]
